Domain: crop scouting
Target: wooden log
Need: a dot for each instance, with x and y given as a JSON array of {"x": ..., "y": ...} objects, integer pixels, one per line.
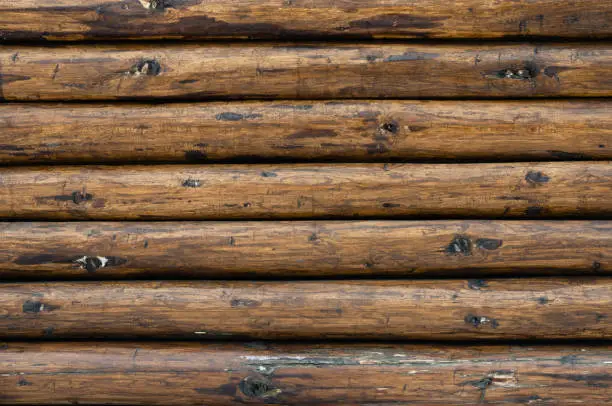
[
  {"x": 313, "y": 374},
  {"x": 304, "y": 71},
  {"x": 351, "y": 130},
  {"x": 187, "y": 19},
  {"x": 307, "y": 191},
  {"x": 302, "y": 248},
  {"x": 557, "y": 308}
]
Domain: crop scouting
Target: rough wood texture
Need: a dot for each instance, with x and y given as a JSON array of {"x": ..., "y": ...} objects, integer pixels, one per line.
[
  {"x": 302, "y": 248},
  {"x": 393, "y": 309},
  {"x": 307, "y": 191},
  {"x": 351, "y": 130},
  {"x": 94, "y": 19},
  {"x": 304, "y": 71},
  {"x": 313, "y": 374}
]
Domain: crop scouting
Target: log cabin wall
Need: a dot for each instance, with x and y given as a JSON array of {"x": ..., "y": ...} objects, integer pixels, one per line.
[{"x": 305, "y": 202}]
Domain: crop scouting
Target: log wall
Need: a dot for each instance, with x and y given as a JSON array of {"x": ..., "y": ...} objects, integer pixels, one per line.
[{"x": 406, "y": 202}]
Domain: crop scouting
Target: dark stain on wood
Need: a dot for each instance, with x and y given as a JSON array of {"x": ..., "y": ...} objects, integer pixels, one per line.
[
  {"x": 477, "y": 284},
  {"x": 227, "y": 389},
  {"x": 268, "y": 174},
  {"x": 34, "y": 306},
  {"x": 460, "y": 245},
  {"x": 478, "y": 321},
  {"x": 543, "y": 300},
  {"x": 38, "y": 259},
  {"x": 529, "y": 71},
  {"x": 92, "y": 264},
  {"x": 482, "y": 384},
  {"x": 553, "y": 71},
  {"x": 229, "y": 116},
  {"x": 489, "y": 244},
  {"x": 192, "y": 183},
  {"x": 256, "y": 387},
  {"x": 390, "y": 126},
  {"x": 23, "y": 382},
  {"x": 411, "y": 56},
  {"x": 146, "y": 67},
  {"x": 76, "y": 197},
  {"x": 244, "y": 303},
  {"x": 536, "y": 178}
]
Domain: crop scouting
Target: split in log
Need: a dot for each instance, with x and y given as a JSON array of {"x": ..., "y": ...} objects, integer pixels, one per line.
[
  {"x": 304, "y": 71},
  {"x": 87, "y": 250},
  {"x": 313, "y": 374},
  {"x": 238, "y": 19},
  {"x": 549, "y": 308},
  {"x": 293, "y": 191},
  {"x": 312, "y": 130}
]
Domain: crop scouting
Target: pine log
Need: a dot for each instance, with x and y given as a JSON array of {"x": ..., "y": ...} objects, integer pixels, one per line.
[
  {"x": 306, "y": 374},
  {"x": 101, "y": 250},
  {"x": 293, "y": 191},
  {"x": 304, "y": 71},
  {"x": 311, "y": 130},
  {"x": 547, "y": 308},
  {"x": 238, "y": 19}
]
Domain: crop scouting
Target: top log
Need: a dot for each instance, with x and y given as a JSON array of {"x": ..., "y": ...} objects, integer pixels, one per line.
[{"x": 186, "y": 19}]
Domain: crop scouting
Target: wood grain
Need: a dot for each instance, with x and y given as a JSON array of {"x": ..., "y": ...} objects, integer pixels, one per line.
[
  {"x": 293, "y": 191},
  {"x": 85, "y": 250},
  {"x": 304, "y": 71},
  {"x": 550, "y": 308},
  {"x": 307, "y": 374},
  {"x": 311, "y": 130},
  {"x": 187, "y": 19}
]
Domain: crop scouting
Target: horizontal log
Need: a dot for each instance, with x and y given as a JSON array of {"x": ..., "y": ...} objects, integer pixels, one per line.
[
  {"x": 351, "y": 130},
  {"x": 313, "y": 374},
  {"x": 270, "y": 191},
  {"x": 95, "y": 19},
  {"x": 558, "y": 308},
  {"x": 302, "y": 248},
  {"x": 304, "y": 71}
]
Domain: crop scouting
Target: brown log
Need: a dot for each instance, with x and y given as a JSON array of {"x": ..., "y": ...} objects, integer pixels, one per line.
[
  {"x": 312, "y": 374},
  {"x": 302, "y": 248},
  {"x": 550, "y": 308},
  {"x": 307, "y": 191},
  {"x": 304, "y": 71},
  {"x": 351, "y": 130},
  {"x": 187, "y": 19}
]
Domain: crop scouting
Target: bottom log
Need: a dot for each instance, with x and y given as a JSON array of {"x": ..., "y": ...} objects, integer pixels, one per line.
[{"x": 255, "y": 373}]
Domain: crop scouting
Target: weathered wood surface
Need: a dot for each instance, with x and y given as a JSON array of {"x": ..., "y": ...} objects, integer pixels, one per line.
[
  {"x": 313, "y": 374},
  {"x": 350, "y": 130},
  {"x": 304, "y": 71},
  {"x": 54, "y": 250},
  {"x": 186, "y": 19},
  {"x": 505, "y": 190},
  {"x": 527, "y": 308}
]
